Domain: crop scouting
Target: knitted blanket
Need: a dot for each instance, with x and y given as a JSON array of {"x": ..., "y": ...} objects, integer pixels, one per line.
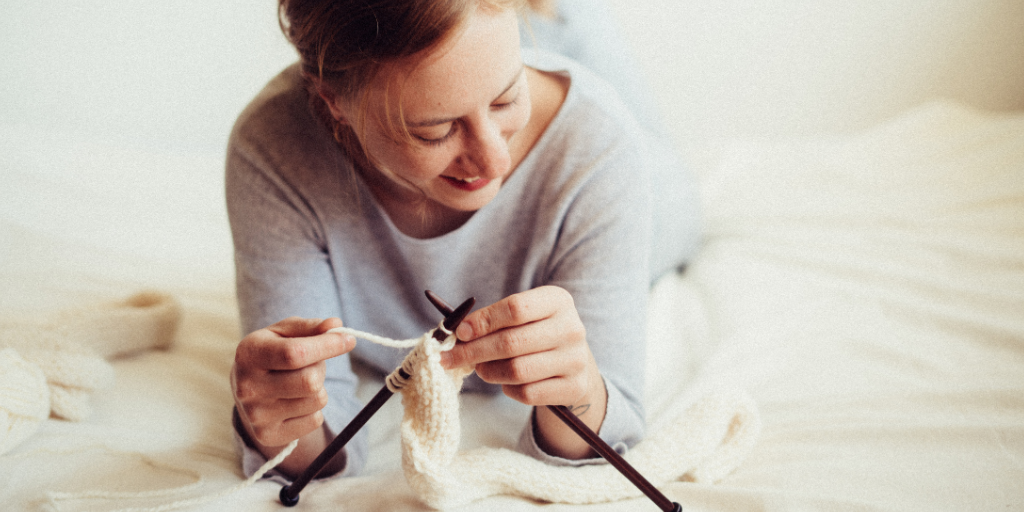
[
  {"x": 50, "y": 365},
  {"x": 704, "y": 444}
]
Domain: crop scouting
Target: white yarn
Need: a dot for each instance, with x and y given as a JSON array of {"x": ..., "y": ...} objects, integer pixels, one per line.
[
  {"x": 381, "y": 340},
  {"x": 56, "y": 498},
  {"x": 704, "y": 444},
  {"x": 69, "y": 348},
  {"x": 394, "y": 381},
  {"x": 24, "y": 399}
]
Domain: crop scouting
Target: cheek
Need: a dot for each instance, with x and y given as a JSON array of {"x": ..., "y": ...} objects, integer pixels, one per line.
[
  {"x": 408, "y": 162},
  {"x": 520, "y": 117},
  {"x": 411, "y": 162},
  {"x": 424, "y": 164}
]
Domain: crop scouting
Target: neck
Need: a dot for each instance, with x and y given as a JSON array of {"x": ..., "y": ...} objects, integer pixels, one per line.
[{"x": 412, "y": 213}]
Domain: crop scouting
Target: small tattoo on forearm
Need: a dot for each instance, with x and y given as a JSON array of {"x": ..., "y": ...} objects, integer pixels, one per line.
[{"x": 579, "y": 410}]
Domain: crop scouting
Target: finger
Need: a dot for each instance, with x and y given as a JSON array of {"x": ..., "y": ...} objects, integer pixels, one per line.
[
  {"x": 518, "y": 309},
  {"x": 553, "y": 391},
  {"x": 284, "y": 432},
  {"x": 296, "y": 327},
  {"x": 301, "y": 407},
  {"x": 504, "y": 344},
  {"x": 273, "y": 352},
  {"x": 526, "y": 369},
  {"x": 295, "y": 428},
  {"x": 287, "y": 384},
  {"x": 272, "y": 413}
]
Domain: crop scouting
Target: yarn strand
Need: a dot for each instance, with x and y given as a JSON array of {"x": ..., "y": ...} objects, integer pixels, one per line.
[
  {"x": 397, "y": 379},
  {"x": 706, "y": 442},
  {"x": 56, "y": 497},
  {"x": 380, "y": 340},
  {"x": 395, "y": 382}
]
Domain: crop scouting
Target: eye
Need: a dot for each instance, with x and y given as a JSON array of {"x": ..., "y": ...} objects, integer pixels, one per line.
[
  {"x": 437, "y": 141},
  {"x": 505, "y": 105}
]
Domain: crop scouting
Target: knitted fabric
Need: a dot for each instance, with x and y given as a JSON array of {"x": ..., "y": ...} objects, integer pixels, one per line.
[
  {"x": 24, "y": 399},
  {"x": 704, "y": 444},
  {"x": 69, "y": 349}
]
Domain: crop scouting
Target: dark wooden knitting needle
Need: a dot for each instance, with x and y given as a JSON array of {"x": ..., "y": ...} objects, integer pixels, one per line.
[
  {"x": 615, "y": 459},
  {"x": 595, "y": 442},
  {"x": 289, "y": 494}
]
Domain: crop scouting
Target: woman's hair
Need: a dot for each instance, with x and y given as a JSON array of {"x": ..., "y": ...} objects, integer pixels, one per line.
[{"x": 344, "y": 44}]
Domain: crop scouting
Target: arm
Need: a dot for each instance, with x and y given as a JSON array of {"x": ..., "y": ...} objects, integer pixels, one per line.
[
  {"x": 282, "y": 270},
  {"x": 578, "y": 339}
]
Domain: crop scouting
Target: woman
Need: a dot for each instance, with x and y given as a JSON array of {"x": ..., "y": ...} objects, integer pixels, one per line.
[{"x": 413, "y": 148}]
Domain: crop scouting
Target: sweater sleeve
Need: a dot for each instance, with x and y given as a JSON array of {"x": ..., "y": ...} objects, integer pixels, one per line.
[
  {"x": 601, "y": 258},
  {"x": 283, "y": 270}
]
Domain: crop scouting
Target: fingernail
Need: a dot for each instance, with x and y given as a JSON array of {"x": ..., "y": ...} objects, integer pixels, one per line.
[
  {"x": 464, "y": 332},
  {"x": 347, "y": 340},
  {"x": 446, "y": 360}
]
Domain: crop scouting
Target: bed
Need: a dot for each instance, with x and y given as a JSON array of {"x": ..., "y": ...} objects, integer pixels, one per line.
[{"x": 861, "y": 278}]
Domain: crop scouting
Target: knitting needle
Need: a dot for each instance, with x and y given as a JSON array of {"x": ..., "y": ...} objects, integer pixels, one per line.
[
  {"x": 289, "y": 494},
  {"x": 592, "y": 439}
]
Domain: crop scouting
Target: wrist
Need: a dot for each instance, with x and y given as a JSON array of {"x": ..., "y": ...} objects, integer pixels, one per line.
[{"x": 557, "y": 439}]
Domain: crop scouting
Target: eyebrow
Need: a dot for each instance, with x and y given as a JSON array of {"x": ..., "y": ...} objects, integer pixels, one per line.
[{"x": 446, "y": 120}]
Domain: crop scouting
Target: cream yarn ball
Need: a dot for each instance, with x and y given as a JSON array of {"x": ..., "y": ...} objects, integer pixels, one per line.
[{"x": 24, "y": 399}]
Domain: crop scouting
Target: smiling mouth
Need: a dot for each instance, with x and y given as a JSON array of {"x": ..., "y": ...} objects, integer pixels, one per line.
[{"x": 468, "y": 184}]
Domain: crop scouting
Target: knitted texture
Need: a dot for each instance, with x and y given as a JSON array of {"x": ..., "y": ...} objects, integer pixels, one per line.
[
  {"x": 24, "y": 399},
  {"x": 704, "y": 444},
  {"x": 69, "y": 349}
]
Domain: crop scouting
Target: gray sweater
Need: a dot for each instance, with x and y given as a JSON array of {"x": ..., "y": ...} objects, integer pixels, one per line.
[{"x": 310, "y": 240}]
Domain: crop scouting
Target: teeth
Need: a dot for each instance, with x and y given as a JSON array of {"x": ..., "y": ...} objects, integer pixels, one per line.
[{"x": 469, "y": 180}]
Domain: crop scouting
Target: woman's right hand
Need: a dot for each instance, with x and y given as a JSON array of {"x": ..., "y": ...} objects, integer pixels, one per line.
[{"x": 278, "y": 385}]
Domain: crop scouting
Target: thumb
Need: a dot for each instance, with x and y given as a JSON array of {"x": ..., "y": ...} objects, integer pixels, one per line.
[
  {"x": 344, "y": 342},
  {"x": 297, "y": 327},
  {"x": 330, "y": 323},
  {"x": 307, "y": 341}
]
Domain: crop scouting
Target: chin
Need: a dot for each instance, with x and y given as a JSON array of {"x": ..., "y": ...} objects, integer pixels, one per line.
[{"x": 472, "y": 202}]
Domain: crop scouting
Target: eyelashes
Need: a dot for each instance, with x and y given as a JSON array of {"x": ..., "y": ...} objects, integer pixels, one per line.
[
  {"x": 506, "y": 105},
  {"x": 455, "y": 126},
  {"x": 437, "y": 142}
]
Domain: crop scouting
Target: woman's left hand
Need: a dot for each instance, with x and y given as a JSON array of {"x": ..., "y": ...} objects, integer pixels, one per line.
[{"x": 534, "y": 345}]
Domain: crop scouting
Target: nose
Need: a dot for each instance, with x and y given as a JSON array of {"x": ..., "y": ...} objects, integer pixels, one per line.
[{"x": 488, "y": 151}]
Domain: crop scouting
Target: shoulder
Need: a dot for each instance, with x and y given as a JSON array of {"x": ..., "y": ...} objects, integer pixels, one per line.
[
  {"x": 594, "y": 132},
  {"x": 281, "y": 107},
  {"x": 589, "y": 166},
  {"x": 593, "y": 135},
  {"x": 589, "y": 97},
  {"x": 278, "y": 137}
]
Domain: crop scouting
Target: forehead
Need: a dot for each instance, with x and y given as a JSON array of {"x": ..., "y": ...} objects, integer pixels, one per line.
[{"x": 470, "y": 68}]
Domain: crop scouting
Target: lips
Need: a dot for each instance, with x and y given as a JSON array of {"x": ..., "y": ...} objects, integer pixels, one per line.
[{"x": 468, "y": 184}]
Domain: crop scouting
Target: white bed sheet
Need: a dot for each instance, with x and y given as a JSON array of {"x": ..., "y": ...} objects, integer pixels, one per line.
[{"x": 867, "y": 291}]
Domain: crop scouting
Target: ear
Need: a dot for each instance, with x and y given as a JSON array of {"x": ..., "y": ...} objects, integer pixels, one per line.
[{"x": 334, "y": 103}]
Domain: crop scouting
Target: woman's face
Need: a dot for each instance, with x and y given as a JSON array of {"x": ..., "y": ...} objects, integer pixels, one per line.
[{"x": 462, "y": 103}]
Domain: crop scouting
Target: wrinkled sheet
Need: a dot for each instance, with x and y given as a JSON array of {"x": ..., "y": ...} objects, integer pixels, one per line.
[{"x": 867, "y": 290}]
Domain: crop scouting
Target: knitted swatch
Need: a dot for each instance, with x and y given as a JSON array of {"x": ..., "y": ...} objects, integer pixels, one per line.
[
  {"x": 69, "y": 349},
  {"x": 704, "y": 444},
  {"x": 24, "y": 399}
]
